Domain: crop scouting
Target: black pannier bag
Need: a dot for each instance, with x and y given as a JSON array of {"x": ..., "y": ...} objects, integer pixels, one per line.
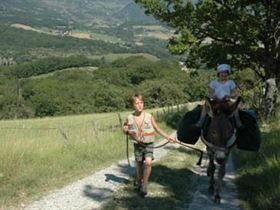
[
  {"x": 186, "y": 131},
  {"x": 250, "y": 137}
]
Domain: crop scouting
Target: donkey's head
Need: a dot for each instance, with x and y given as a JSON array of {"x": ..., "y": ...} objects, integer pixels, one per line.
[{"x": 220, "y": 132}]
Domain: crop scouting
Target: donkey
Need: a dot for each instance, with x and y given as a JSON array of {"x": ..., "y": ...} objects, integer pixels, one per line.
[{"x": 219, "y": 135}]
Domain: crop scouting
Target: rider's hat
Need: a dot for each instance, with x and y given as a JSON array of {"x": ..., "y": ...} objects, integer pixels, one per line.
[{"x": 223, "y": 68}]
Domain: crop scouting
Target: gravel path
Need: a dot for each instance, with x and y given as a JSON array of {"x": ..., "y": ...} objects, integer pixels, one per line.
[
  {"x": 203, "y": 200},
  {"x": 93, "y": 191}
]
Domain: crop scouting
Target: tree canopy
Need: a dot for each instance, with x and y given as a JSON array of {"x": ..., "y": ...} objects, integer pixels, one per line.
[{"x": 244, "y": 33}]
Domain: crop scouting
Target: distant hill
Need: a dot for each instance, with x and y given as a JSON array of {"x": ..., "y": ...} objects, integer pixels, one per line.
[
  {"x": 132, "y": 13},
  {"x": 70, "y": 13},
  {"x": 104, "y": 26}
]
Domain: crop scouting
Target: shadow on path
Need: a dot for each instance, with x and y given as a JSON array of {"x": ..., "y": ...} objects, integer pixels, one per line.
[
  {"x": 169, "y": 188},
  {"x": 203, "y": 200}
]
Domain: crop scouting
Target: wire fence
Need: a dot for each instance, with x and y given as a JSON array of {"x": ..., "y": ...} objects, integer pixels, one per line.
[{"x": 96, "y": 128}]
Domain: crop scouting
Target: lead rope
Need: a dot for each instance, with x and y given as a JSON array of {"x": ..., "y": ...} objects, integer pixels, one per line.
[
  {"x": 178, "y": 142},
  {"x": 127, "y": 150},
  {"x": 193, "y": 148}
]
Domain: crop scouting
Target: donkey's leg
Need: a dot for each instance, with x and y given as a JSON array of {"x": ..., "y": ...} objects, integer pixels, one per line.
[
  {"x": 219, "y": 182},
  {"x": 211, "y": 172}
]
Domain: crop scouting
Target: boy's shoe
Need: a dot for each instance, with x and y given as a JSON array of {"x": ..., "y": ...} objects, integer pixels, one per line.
[
  {"x": 137, "y": 186},
  {"x": 143, "y": 190}
]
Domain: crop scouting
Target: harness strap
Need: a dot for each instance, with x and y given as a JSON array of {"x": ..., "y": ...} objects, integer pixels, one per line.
[
  {"x": 210, "y": 145},
  {"x": 232, "y": 139},
  {"x": 230, "y": 142}
]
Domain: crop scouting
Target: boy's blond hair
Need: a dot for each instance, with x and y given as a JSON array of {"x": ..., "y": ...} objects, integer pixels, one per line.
[{"x": 136, "y": 95}]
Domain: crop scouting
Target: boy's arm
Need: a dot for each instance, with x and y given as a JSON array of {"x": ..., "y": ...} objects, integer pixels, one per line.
[{"x": 161, "y": 132}]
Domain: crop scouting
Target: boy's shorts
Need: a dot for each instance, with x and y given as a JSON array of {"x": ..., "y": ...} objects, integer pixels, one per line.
[{"x": 142, "y": 152}]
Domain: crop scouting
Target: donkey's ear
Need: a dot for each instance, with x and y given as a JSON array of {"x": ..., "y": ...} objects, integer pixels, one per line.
[{"x": 208, "y": 106}]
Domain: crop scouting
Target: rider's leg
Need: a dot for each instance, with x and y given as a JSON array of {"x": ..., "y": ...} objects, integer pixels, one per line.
[
  {"x": 202, "y": 117},
  {"x": 238, "y": 122}
]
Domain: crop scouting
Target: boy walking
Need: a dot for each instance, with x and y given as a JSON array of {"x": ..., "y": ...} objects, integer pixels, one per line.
[{"x": 141, "y": 127}]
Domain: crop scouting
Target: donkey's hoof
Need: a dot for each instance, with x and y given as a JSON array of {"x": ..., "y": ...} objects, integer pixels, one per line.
[
  {"x": 217, "y": 199},
  {"x": 211, "y": 190}
]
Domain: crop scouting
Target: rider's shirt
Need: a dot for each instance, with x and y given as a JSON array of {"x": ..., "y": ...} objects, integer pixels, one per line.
[{"x": 222, "y": 89}]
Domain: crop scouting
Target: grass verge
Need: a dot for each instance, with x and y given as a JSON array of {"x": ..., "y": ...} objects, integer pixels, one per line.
[{"x": 258, "y": 174}]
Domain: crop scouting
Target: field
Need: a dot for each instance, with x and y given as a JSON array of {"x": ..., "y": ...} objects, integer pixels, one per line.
[
  {"x": 42, "y": 154},
  {"x": 155, "y": 31}
]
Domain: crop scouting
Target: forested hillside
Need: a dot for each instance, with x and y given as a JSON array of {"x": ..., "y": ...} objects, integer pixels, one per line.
[
  {"x": 82, "y": 90},
  {"x": 77, "y": 84}
]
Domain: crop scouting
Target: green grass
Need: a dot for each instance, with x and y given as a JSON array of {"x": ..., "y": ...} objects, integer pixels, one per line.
[
  {"x": 36, "y": 157},
  {"x": 171, "y": 186},
  {"x": 259, "y": 173}
]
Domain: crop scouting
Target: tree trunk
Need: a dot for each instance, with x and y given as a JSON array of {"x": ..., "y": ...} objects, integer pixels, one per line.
[{"x": 269, "y": 98}]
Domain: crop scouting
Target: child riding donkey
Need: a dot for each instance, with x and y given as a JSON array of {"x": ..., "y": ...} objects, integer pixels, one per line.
[{"x": 222, "y": 90}]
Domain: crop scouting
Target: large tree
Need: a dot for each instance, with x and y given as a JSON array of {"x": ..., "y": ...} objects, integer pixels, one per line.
[{"x": 245, "y": 33}]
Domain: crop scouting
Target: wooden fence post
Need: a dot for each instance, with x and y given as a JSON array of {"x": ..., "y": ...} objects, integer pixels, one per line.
[
  {"x": 120, "y": 120},
  {"x": 65, "y": 138},
  {"x": 95, "y": 129}
]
